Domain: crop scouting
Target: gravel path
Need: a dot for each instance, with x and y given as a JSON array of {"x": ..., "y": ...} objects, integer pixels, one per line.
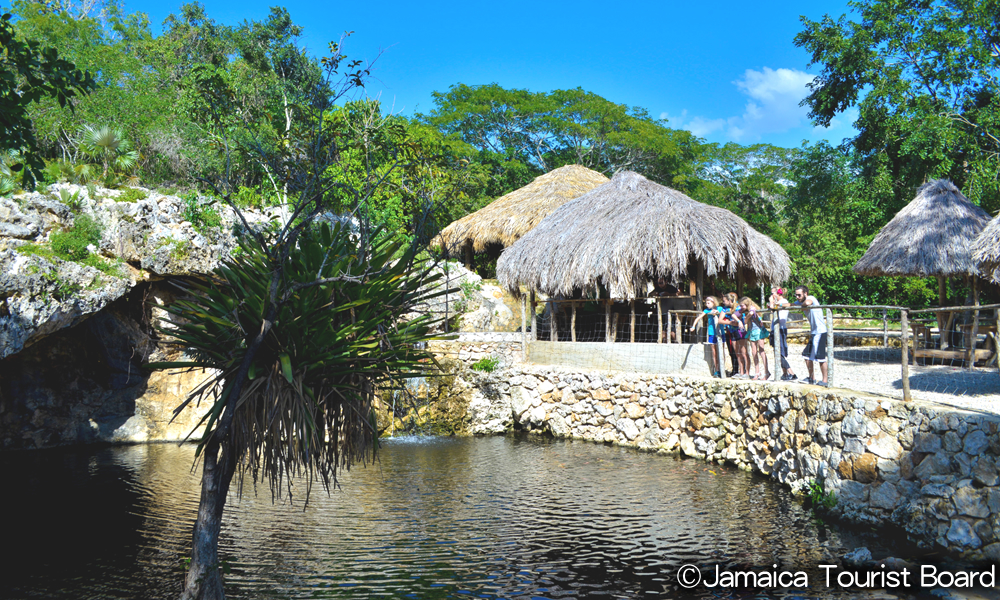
[{"x": 878, "y": 371}]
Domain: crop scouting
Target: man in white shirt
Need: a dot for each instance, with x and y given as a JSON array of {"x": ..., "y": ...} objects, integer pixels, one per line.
[{"x": 815, "y": 351}]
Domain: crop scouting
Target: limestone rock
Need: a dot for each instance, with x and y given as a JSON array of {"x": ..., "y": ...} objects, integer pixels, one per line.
[
  {"x": 628, "y": 428},
  {"x": 559, "y": 427},
  {"x": 865, "y": 468},
  {"x": 885, "y": 446},
  {"x": 858, "y": 557},
  {"x": 961, "y": 534},
  {"x": 884, "y": 496}
]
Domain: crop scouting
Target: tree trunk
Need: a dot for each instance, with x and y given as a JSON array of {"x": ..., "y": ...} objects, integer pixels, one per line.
[{"x": 204, "y": 576}]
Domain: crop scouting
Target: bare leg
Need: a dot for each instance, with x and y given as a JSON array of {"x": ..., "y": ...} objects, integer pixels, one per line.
[
  {"x": 822, "y": 369},
  {"x": 809, "y": 367},
  {"x": 762, "y": 347}
]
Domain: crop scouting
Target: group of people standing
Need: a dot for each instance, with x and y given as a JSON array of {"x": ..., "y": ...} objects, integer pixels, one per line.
[{"x": 737, "y": 321}]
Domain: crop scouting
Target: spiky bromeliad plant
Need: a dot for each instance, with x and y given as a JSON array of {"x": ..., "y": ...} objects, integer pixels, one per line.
[{"x": 321, "y": 340}]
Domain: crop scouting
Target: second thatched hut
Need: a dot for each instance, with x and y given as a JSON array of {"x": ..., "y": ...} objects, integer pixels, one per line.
[
  {"x": 986, "y": 251},
  {"x": 630, "y": 230},
  {"x": 931, "y": 237},
  {"x": 503, "y": 221}
]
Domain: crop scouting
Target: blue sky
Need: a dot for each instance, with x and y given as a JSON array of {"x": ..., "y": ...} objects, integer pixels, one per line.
[{"x": 727, "y": 71}]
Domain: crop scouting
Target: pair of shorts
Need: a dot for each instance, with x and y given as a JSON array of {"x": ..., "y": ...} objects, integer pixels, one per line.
[
  {"x": 711, "y": 339},
  {"x": 736, "y": 333},
  {"x": 816, "y": 348},
  {"x": 755, "y": 334}
]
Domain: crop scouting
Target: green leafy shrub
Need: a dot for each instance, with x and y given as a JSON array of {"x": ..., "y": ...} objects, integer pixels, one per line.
[
  {"x": 112, "y": 268},
  {"x": 248, "y": 198},
  {"x": 132, "y": 195},
  {"x": 486, "y": 365},
  {"x": 203, "y": 216},
  {"x": 37, "y": 250},
  {"x": 72, "y": 244},
  {"x": 819, "y": 496}
]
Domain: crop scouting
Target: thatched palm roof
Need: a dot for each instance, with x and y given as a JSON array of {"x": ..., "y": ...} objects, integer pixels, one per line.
[
  {"x": 986, "y": 251},
  {"x": 507, "y": 218},
  {"x": 630, "y": 230},
  {"x": 931, "y": 236}
]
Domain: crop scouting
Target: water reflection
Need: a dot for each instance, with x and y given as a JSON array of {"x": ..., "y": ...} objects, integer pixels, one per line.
[{"x": 433, "y": 518}]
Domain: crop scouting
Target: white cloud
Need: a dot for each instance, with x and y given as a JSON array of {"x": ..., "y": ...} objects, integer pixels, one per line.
[{"x": 772, "y": 107}]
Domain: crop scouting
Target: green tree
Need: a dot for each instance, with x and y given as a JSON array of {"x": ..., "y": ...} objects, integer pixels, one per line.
[
  {"x": 30, "y": 72},
  {"x": 751, "y": 181},
  {"x": 923, "y": 76},
  {"x": 302, "y": 326},
  {"x": 534, "y": 132}
]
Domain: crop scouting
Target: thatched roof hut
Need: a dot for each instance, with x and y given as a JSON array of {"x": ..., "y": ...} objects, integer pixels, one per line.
[
  {"x": 986, "y": 251},
  {"x": 509, "y": 217},
  {"x": 931, "y": 236},
  {"x": 631, "y": 230}
]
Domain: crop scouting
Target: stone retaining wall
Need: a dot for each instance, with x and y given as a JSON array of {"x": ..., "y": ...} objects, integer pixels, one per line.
[
  {"x": 502, "y": 347},
  {"x": 929, "y": 469}
]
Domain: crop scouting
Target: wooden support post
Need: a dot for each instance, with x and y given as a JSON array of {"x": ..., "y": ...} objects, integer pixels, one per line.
[
  {"x": 739, "y": 282},
  {"x": 468, "y": 256},
  {"x": 700, "y": 286},
  {"x": 534, "y": 319},
  {"x": 942, "y": 317},
  {"x": 975, "y": 324},
  {"x": 659, "y": 322},
  {"x": 614, "y": 327},
  {"x": 905, "y": 347},
  {"x": 670, "y": 327},
  {"x": 608, "y": 337},
  {"x": 572, "y": 324},
  {"x": 829, "y": 347},
  {"x": 885, "y": 328},
  {"x": 524, "y": 329},
  {"x": 631, "y": 325},
  {"x": 678, "y": 328},
  {"x": 553, "y": 322}
]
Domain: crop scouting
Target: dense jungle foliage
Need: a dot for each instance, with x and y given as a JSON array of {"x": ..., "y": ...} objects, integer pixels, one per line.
[{"x": 177, "y": 109}]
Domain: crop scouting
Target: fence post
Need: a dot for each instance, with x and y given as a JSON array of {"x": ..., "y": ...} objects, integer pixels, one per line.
[
  {"x": 885, "y": 328},
  {"x": 905, "y": 347},
  {"x": 670, "y": 327},
  {"x": 524, "y": 329},
  {"x": 829, "y": 347},
  {"x": 447, "y": 292},
  {"x": 720, "y": 351},
  {"x": 776, "y": 336}
]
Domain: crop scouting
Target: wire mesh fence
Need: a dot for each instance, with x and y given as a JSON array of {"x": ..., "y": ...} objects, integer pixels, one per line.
[{"x": 942, "y": 354}]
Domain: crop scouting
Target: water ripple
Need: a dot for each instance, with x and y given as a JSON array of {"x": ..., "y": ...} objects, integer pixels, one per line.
[{"x": 433, "y": 518}]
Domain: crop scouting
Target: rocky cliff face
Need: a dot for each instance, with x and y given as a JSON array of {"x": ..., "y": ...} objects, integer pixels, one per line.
[
  {"x": 142, "y": 239},
  {"x": 75, "y": 334}
]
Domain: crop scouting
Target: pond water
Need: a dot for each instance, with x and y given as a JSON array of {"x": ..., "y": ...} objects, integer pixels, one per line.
[{"x": 500, "y": 517}]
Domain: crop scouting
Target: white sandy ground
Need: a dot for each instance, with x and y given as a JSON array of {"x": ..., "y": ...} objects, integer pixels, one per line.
[{"x": 878, "y": 371}]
